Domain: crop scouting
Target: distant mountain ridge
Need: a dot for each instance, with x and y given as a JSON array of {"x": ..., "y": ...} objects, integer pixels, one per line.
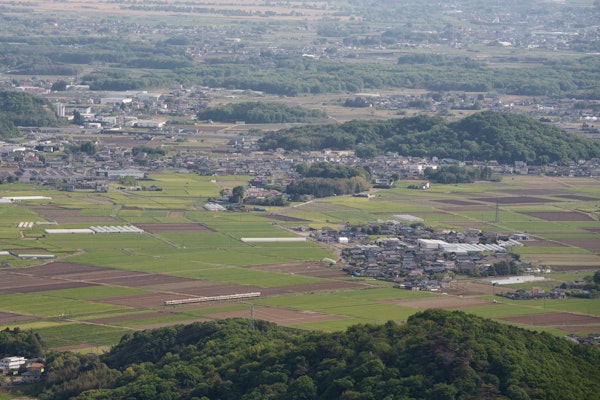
[{"x": 437, "y": 355}]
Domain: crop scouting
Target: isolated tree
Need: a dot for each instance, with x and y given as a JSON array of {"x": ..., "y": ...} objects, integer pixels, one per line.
[
  {"x": 77, "y": 118},
  {"x": 59, "y": 86},
  {"x": 89, "y": 148},
  {"x": 597, "y": 277},
  {"x": 128, "y": 181},
  {"x": 237, "y": 194}
]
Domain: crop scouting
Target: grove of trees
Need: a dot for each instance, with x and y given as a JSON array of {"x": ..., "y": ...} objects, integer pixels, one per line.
[
  {"x": 435, "y": 355},
  {"x": 23, "y": 109},
  {"x": 260, "y": 113},
  {"x": 456, "y": 174},
  {"x": 325, "y": 187}
]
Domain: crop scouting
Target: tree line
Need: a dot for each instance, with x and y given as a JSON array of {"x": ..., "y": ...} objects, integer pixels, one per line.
[{"x": 456, "y": 174}]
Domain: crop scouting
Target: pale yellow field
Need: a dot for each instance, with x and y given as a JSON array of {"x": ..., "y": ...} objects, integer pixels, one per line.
[{"x": 288, "y": 10}]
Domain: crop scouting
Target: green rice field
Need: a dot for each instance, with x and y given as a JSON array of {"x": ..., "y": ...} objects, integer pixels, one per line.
[{"x": 99, "y": 287}]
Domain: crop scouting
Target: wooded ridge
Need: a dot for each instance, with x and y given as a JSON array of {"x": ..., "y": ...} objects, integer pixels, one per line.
[
  {"x": 436, "y": 354},
  {"x": 483, "y": 136}
]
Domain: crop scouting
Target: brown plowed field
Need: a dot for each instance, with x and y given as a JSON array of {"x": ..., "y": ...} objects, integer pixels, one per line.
[
  {"x": 457, "y": 202},
  {"x": 69, "y": 216},
  {"x": 197, "y": 287},
  {"x": 589, "y": 244},
  {"x": 513, "y": 200},
  {"x": 315, "y": 287},
  {"x": 9, "y": 318},
  {"x": 576, "y": 197},
  {"x": 560, "y": 320},
  {"x": 137, "y": 279},
  {"x": 50, "y": 286},
  {"x": 284, "y": 218},
  {"x": 541, "y": 243},
  {"x": 559, "y": 216},
  {"x": 60, "y": 268}
]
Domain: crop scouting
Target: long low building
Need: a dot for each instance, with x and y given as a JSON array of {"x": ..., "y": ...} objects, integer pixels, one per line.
[
  {"x": 273, "y": 240},
  {"x": 25, "y": 198},
  {"x": 116, "y": 229},
  {"x": 96, "y": 229},
  {"x": 68, "y": 231},
  {"x": 463, "y": 248}
]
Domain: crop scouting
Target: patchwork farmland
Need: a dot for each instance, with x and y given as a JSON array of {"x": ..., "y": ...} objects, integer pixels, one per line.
[{"x": 97, "y": 287}]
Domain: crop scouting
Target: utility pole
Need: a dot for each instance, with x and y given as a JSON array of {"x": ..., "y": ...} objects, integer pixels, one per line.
[{"x": 497, "y": 212}]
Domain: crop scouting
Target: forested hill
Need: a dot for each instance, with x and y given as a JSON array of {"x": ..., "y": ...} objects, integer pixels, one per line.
[
  {"x": 437, "y": 355},
  {"x": 255, "y": 112},
  {"x": 23, "y": 109},
  {"x": 483, "y": 136}
]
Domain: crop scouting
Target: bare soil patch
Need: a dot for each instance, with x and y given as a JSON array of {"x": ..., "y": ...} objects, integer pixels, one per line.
[
  {"x": 514, "y": 200},
  {"x": 174, "y": 227},
  {"x": 280, "y": 316},
  {"x": 589, "y": 244},
  {"x": 68, "y": 216},
  {"x": 51, "y": 286},
  {"x": 558, "y": 320},
  {"x": 569, "y": 268},
  {"x": 316, "y": 287},
  {"x": 474, "y": 207},
  {"x": 469, "y": 288},
  {"x": 140, "y": 279},
  {"x": 537, "y": 192},
  {"x": 559, "y": 216},
  {"x": 61, "y": 268},
  {"x": 176, "y": 214},
  {"x": 9, "y": 318},
  {"x": 19, "y": 283},
  {"x": 542, "y": 243},
  {"x": 456, "y": 202},
  {"x": 284, "y": 218},
  {"x": 576, "y": 197}
]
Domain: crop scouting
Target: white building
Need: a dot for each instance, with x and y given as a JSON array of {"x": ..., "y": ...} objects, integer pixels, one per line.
[
  {"x": 116, "y": 100},
  {"x": 148, "y": 123},
  {"x": 11, "y": 363}
]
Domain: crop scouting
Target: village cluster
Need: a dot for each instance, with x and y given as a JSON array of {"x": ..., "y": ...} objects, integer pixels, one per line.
[{"x": 114, "y": 123}]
